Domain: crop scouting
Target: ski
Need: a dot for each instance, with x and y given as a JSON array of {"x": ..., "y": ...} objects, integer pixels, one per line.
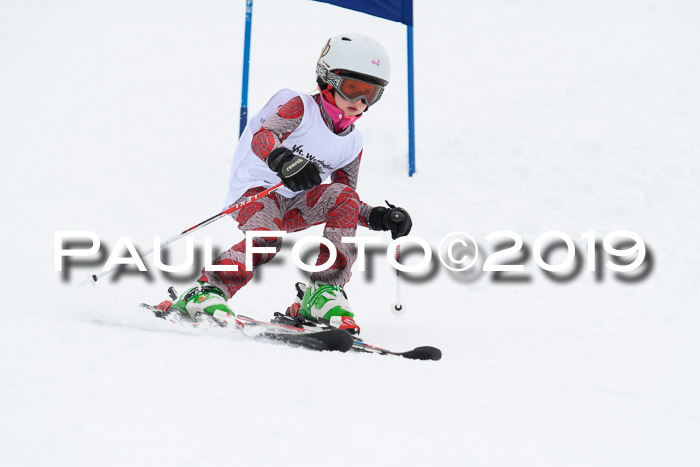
[
  {"x": 358, "y": 345},
  {"x": 419, "y": 353},
  {"x": 322, "y": 339},
  {"x": 294, "y": 319},
  {"x": 316, "y": 339},
  {"x": 292, "y": 329}
]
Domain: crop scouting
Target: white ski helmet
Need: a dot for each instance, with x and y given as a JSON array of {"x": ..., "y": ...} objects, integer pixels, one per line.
[{"x": 353, "y": 56}]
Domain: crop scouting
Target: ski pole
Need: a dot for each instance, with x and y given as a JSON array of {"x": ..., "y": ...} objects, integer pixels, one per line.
[
  {"x": 213, "y": 218},
  {"x": 398, "y": 216},
  {"x": 397, "y": 306}
]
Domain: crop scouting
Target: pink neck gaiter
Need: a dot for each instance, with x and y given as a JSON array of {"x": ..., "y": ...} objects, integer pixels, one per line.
[{"x": 340, "y": 121}]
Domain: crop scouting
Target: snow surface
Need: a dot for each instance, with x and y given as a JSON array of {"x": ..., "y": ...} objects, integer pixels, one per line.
[{"x": 121, "y": 118}]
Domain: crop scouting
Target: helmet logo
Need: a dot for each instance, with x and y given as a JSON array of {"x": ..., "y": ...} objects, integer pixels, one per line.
[
  {"x": 376, "y": 62},
  {"x": 326, "y": 49}
]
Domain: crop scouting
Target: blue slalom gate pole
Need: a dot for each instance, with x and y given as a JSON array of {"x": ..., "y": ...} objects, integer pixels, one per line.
[
  {"x": 246, "y": 66},
  {"x": 411, "y": 116}
]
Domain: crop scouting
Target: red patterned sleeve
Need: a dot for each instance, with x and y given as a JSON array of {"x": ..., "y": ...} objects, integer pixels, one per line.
[
  {"x": 348, "y": 175},
  {"x": 277, "y": 128}
]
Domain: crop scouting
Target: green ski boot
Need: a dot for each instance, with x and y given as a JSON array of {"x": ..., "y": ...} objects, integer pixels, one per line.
[
  {"x": 207, "y": 299},
  {"x": 328, "y": 304}
]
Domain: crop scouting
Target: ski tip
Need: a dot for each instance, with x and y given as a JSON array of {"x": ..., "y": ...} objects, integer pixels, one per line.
[{"x": 423, "y": 353}]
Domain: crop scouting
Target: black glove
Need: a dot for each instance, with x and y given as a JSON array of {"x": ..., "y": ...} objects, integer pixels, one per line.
[
  {"x": 297, "y": 173},
  {"x": 392, "y": 218}
]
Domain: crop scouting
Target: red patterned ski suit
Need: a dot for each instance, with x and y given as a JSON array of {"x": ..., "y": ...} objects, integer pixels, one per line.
[{"x": 337, "y": 205}]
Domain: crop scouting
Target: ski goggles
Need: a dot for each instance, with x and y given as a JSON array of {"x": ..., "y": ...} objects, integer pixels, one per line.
[{"x": 352, "y": 89}]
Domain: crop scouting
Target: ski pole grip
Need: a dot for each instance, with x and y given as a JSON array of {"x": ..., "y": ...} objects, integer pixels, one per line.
[{"x": 397, "y": 216}]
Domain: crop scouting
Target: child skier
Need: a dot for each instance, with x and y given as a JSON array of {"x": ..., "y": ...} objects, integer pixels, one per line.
[{"x": 300, "y": 140}]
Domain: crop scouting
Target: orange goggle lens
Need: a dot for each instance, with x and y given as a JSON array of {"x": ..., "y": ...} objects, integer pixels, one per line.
[{"x": 352, "y": 89}]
